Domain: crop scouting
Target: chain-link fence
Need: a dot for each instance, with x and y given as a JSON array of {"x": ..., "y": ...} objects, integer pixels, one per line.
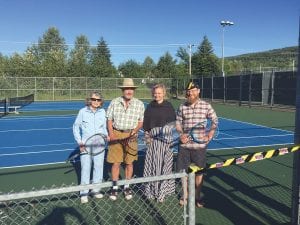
[
  {"x": 63, "y": 206},
  {"x": 267, "y": 89}
]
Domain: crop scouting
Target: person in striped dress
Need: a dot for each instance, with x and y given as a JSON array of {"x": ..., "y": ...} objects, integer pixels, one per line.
[
  {"x": 191, "y": 112},
  {"x": 159, "y": 157}
]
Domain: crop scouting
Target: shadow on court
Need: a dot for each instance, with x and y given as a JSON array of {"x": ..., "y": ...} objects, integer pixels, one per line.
[
  {"x": 59, "y": 214},
  {"x": 240, "y": 203}
]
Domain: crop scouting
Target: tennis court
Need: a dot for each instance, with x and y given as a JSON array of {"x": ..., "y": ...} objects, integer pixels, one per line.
[
  {"x": 38, "y": 140},
  {"x": 253, "y": 193}
]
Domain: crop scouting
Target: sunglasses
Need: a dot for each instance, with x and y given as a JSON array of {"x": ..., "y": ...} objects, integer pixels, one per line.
[{"x": 96, "y": 99}]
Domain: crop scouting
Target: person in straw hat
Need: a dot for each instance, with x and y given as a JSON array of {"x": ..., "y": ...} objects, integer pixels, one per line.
[{"x": 125, "y": 116}]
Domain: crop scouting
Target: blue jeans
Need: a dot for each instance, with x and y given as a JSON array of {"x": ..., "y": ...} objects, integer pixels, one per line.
[{"x": 86, "y": 164}]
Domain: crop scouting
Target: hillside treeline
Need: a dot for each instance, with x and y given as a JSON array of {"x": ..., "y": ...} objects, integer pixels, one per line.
[{"x": 52, "y": 57}]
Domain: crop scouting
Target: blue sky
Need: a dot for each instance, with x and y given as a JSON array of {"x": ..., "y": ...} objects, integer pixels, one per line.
[{"x": 134, "y": 29}]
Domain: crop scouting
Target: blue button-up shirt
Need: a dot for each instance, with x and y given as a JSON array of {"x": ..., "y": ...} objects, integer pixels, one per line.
[{"x": 88, "y": 123}]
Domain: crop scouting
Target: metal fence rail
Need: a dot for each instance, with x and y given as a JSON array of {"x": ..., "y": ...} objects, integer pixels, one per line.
[{"x": 62, "y": 205}]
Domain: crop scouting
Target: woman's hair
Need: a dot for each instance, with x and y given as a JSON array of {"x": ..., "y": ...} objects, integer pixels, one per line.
[
  {"x": 162, "y": 86},
  {"x": 88, "y": 100}
]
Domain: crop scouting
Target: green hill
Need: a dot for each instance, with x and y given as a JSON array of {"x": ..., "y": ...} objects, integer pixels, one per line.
[{"x": 277, "y": 59}]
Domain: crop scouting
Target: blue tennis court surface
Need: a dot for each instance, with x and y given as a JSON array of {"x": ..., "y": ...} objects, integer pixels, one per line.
[
  {"x": 41, "y": 140},
  {"x": 55, "y": 105}
]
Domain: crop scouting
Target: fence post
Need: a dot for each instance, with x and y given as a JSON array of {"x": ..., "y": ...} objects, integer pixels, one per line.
[
  {"x": 272, "y": 87},
  {"x": 296, "y": 162},
  {"x": 212, "y": 88},
  {"x": 224, "y": 87},
  {"x": 241, "y": 90},
  {"x": 250, "y": 91},
  {"x": 191, "y": 200},
  {"x": 70, "y": 88},
  {"x": 53, "y": 88}
]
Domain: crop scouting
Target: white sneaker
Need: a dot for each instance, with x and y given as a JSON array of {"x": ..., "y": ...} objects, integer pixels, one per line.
[
  {"x": 113, "y": 195},
  {"x": 98, "y": 195},
  {"x": 84, "y": 199},
  {"x": 128, "y": 193}
]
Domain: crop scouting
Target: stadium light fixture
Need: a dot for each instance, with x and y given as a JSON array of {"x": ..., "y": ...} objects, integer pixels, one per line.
[{"x": 224, "y": 23}]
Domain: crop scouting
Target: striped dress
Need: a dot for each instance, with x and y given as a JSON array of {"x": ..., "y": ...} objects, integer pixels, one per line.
[{"x": 159, "y": 157}]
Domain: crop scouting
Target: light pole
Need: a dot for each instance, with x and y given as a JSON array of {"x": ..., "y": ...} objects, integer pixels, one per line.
[
  {"x": 190, "y": 60},
  {"x": 223, "y": 24}
]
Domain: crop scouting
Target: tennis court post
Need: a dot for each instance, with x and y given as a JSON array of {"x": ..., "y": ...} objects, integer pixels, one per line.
[{"x": 296, "y": 163}]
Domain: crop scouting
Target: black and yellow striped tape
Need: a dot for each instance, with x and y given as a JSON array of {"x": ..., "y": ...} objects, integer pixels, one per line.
[{"x": 257, "y": 156}]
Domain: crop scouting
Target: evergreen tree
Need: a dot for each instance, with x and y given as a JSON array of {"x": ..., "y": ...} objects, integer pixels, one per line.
[
  {"x": 101, "y": 64},
  {"x": 166, "y": 66},
  {"x": 204, "y": 61}
]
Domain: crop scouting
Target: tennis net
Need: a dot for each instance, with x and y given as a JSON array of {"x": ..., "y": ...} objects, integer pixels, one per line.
[{"x": 21, "y": 101}]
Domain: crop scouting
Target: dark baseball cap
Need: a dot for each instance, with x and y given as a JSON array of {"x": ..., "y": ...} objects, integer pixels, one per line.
[{"x": 191, "y": 85}]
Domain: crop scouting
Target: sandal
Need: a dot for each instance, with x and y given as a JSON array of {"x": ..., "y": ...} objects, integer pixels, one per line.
[
  {"x": 199, "y": 203},
  {"x": 182, "y": 202}
]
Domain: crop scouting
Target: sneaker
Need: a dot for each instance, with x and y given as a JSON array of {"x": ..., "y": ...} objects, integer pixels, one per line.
[
  {"x": 84, "y": 199},
  {"x": 98, "y": 195},
  {"x": 128, "y": 193},
  {"x": 113, "y": 195}
]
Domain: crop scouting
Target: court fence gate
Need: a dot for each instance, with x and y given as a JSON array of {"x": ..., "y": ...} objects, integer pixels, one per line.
[{"x": 61, "y": 205}]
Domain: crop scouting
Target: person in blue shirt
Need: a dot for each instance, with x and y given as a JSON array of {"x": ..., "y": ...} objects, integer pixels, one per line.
[{"x": 89, "y": 121}]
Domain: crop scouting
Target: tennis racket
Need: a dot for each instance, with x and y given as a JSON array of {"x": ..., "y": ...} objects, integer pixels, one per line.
[
  {"x": 197, "y": 134},
  {"x": 94, "y": 145}
]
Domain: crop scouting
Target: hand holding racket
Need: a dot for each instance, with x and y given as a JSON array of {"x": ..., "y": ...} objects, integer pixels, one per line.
[
  {"x": 173, "y": 134},
  {"x": 94, "y": 145},
  {"x": 204, "y": 132}
]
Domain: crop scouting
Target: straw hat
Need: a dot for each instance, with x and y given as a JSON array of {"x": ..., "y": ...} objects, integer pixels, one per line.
[{"x": 128, "y": 83}]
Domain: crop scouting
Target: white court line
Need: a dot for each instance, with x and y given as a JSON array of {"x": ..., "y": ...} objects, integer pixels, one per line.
[
  {"x": 249, "y": 146},
  {"x": 258, "y": 125},
  {"x": 41, "y": 129},
  {"x": 30, "y": 146},
  {"x": 32, "y": 165},
  {"x": 38, "y": 152},
  {"x": 249, "y": 137},
  {"x": 27, "y": 153},
  {"x": 38, "y": 117}
]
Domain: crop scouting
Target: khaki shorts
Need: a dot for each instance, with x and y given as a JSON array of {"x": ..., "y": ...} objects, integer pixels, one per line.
[{"x": 126, "y": 152}]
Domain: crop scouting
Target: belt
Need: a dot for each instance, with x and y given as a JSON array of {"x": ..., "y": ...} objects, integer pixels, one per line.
[{"x": 123, "y": 131}]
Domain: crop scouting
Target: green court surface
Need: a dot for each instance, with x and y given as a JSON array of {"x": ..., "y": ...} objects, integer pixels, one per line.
[{"x": 249, "y": 194}]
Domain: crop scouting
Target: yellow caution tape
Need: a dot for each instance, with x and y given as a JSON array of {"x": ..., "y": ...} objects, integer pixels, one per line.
[{"x": 253, "y": 157}]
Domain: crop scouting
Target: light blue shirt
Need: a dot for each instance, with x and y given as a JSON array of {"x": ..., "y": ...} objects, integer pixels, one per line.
[{"x": 88, "y": 123}]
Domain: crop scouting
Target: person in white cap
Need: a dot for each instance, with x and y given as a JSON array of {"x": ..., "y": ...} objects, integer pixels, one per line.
[
  {"x": 89, "y": 121},
  {"x": 125, "y": 116}
]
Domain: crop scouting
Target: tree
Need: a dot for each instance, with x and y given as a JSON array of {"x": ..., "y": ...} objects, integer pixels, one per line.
[
  {"x": 148, "y": 67},
  {"x": 165, "y": 66},
  {"x": 50, "y": 53},
  {"x": 101, "y": 64},
  {"x": 131, "y": 69},
  {"x": 204, "y": 61},
  {"x": 79, "y": 58}
]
